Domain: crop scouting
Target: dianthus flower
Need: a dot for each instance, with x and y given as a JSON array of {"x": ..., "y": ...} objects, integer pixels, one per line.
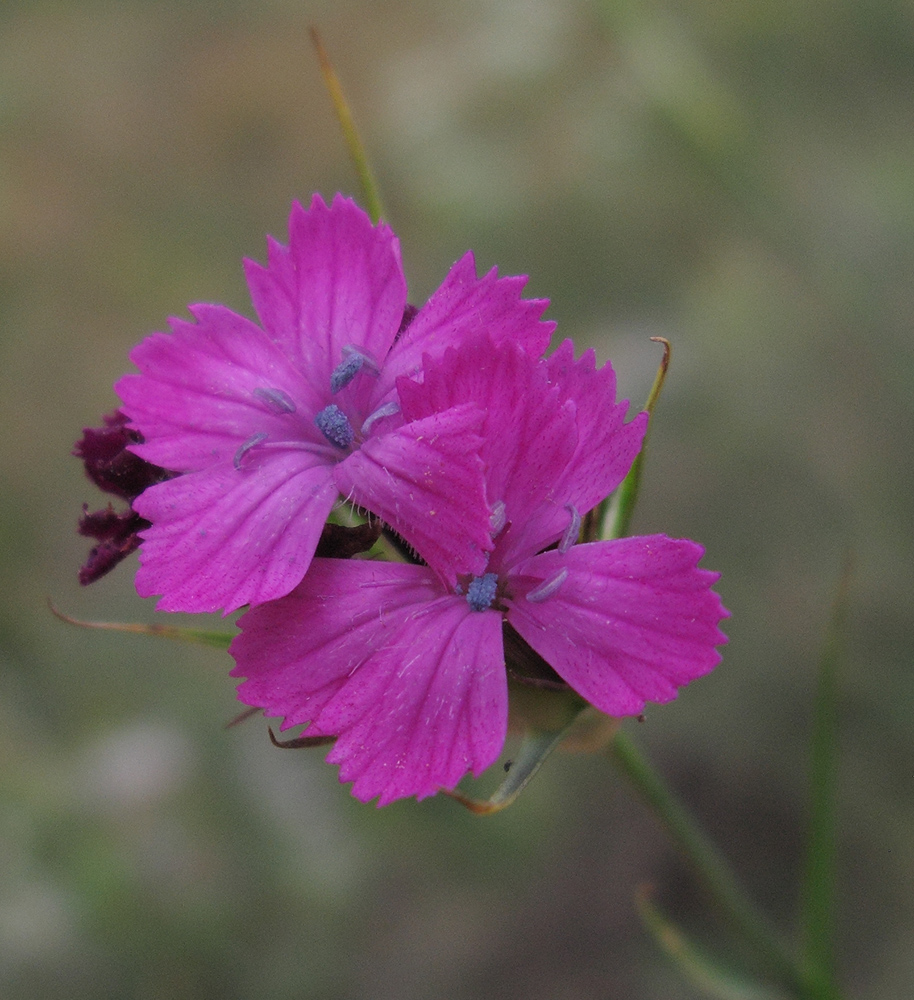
[
  {"x": 408, "y": 670},
  {"x": 269, "y": 424}
]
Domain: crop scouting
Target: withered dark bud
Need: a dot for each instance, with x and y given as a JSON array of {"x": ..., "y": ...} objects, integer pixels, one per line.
[
  {"x": 117, "y": 536},
  {"x": 114, "y": 470}
]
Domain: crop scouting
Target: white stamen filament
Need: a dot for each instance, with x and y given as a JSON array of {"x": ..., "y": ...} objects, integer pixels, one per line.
[
  {"x": 251, "y": 442},
  {"x": 498, "y": 517},
  {"x": 387, "y": 410},
  {"x": 572, "y": 531},
  {"x": 547, "y": 588},
  {"x": 275, "y": 399}
]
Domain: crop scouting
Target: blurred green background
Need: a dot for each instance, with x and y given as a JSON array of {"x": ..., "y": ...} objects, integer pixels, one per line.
[{"x": 738, "y": 178}]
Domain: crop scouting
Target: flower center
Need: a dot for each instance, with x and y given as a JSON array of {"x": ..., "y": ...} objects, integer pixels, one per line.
[{"x": 481, "y": 591}]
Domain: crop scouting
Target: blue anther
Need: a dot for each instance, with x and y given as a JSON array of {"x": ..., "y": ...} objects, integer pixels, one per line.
[
  {"x": 335, "y": 426},
  {"x": 346, "y": 371},
  {"x": 276, "y": 400},
  {"x": 481, "y": 591}
]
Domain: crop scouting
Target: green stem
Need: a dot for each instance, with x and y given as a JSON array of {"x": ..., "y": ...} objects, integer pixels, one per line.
[
  {"x": 711, "y": 868},
  {"x": 370, "y": 194},
  {"x": 818, "y": 920}
]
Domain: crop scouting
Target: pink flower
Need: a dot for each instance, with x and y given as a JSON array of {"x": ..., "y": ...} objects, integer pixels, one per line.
[
  {"x": 269, "y": 424},
  {"x": 408, "y": 670}
]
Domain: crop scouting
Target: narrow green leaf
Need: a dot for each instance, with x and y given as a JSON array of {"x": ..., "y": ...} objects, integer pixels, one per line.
[
  {"x": 704, "y": 973},
  {"x": 615, "y": 514},
  {"x": 370, "y": 191},
  {"x": 818, "y": 919},
  {"x": 200, "y": 637},
  {"x": 534, "y": 750},
  {"x": 710, "y": 866}
]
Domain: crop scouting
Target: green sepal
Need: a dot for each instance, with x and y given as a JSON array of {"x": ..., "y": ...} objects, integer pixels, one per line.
[
  {"x": 535, "y": 747},
  {"x": 616, "y": 513}
]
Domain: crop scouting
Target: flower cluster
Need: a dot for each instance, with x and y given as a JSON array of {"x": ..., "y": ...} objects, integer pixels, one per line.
[{"x": 477, "y": 455}]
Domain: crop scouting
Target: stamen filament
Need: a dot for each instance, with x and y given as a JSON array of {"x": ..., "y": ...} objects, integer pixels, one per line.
[
  {"x": 275, "y": 399},
  {"x": 572, "y": 531},
  {"x": 387, "y": 410},
  {"x": 251, "y": 442},
  {"x": 547, "y": 588}
]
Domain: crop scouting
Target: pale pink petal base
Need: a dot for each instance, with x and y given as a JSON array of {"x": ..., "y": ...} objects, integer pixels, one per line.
[
  {"x": 411, "y": 680},
  {"x": 631, "y": 622}
]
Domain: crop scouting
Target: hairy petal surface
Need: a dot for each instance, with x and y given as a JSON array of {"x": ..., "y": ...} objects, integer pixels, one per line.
[
  {"x": 226, "y": 537},
  {"x": 338, "y": 283},
  {"x": 465, "y": 306},
  {"x": 631, "y": 622},
  {"x": 408, "y": 677}
]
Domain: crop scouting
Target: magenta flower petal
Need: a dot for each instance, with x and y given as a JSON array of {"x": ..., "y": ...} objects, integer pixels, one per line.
[
  {"x": 338, "y": 283},
  {"x": 116, "y": 470},
  {"x": 226, "y": 537},
  {"x": 570, "y": 448},
  {"x": 522, "y": 445},
  {"x": 204, "y": 389},
  {"x": 408, "y": 678},
  {"x": 440, "y": 487},
  {"x": 465, "y": 306},
  {"x": 623, "y": 622},
  {"x": 606, "y": 445}
]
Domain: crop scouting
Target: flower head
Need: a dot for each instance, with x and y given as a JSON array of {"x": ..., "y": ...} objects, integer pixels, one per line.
[
  {"x": 269, "y": 424},
  {"x": 407, "y": 669}
]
